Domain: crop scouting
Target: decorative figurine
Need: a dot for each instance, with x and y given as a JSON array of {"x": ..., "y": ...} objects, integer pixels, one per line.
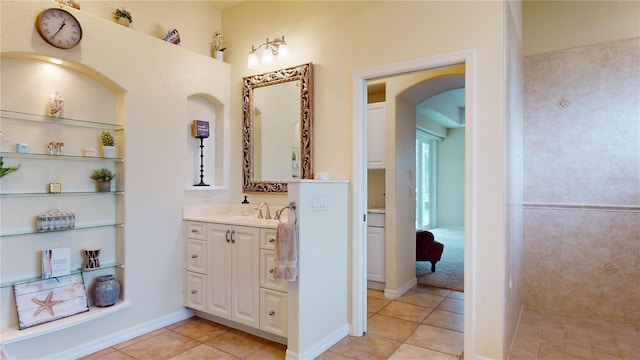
[{"x": 56, "y": 105}]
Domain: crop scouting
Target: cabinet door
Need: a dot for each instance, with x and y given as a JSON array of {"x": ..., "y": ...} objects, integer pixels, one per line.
[
  {"x": 274, "y": 312},
  {"x": 195, "y": 291},
  {"x": 376, "y": 142},
  {"x": 245, "y": 285},
  {"x": 267, "y": 260},
  {"x": 375, "y": 254},
  {"x": 197, "y": 256},
  {"x": 219, "y": 270}
]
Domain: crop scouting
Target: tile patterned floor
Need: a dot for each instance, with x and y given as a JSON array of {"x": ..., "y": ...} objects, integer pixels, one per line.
[
  {"x": 547, "y": 336},
  {"x": 425, "y": 323}
]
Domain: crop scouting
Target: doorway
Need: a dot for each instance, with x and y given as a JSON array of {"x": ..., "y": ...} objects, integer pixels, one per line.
[{"x": 359, "y": 194}]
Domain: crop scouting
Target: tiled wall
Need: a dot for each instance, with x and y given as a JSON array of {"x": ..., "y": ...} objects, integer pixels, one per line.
[{"x": 582, "y": 181}]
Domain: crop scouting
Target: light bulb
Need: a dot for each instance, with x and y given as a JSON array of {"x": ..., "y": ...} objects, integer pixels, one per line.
[
  {"x": 283, "y": 52},
  {"x": 252, "y": 61},
  {"x": 267, "y": 56}
]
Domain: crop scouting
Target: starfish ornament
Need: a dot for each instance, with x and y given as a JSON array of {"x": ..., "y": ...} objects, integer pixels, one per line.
[{"x": 46, "y": 304}]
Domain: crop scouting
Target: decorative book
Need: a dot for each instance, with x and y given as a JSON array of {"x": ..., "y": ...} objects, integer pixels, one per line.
[{"x": 56, "y": 262}]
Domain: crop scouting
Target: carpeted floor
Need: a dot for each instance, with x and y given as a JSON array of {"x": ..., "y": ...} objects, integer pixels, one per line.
[{"x": 449, "y": 272}]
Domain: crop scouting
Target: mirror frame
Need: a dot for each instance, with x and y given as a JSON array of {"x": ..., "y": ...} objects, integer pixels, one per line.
[{"x": 303, "y": 73}]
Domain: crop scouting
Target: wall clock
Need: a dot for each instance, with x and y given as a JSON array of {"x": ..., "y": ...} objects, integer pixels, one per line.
[{"x": 59, "y": 28}]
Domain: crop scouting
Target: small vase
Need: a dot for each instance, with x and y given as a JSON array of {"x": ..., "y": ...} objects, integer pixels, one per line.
[
  {"x": 109, "y": 151},
  {"x": 124, "y": 21},
  {"x": 106, "y": 291},
  {"x": 104, "y": 186},
  {"x": 91, "y": 260},
  {"x": 219, "y": 55}
]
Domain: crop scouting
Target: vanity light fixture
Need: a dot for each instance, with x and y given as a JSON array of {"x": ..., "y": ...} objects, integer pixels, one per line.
[{"x": 270, "y": 48}]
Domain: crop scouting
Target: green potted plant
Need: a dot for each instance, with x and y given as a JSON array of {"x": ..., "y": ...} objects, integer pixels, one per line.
[
  {"x": 6, "y": 170},
  {"x": 103, "y": 177},
  {"x": 108, "y": 144},
  {"x": 122, "y": 17}
]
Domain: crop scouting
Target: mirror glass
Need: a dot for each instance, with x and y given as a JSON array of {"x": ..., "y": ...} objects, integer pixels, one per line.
[{"x": 277, "y": 128}]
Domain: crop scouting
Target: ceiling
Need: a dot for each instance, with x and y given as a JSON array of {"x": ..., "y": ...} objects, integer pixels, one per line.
[{"x": 446, "y": 108}]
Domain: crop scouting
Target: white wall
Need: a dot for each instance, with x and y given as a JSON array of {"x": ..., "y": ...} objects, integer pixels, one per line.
[
  {"x": 154, "y": 81},
  {"x": 343, "y": 37}
]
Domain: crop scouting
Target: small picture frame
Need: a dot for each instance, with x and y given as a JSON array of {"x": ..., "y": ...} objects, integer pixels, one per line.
[
  {"x": 22, "y": 148},
  {"x": 55, "y": 188}
]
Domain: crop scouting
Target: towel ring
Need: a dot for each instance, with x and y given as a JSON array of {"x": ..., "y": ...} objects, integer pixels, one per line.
[{"x": 292, "y": 208}]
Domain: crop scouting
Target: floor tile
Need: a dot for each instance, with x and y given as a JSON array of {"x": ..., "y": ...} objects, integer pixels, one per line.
[
  {"x": 421, "y": 299},
  {"x": 331, "y": 355},
  {"x": 237, "y": 343},
  {"x": 165, "y": 345},
  {"x": 272, "y": 351},
  {"x": 375, "y": 304},
  {"x": 366, "y": 347},
  {"x": 431, "y": 290},
  {"x": 375, "y": 293},
  {"x": 201, "y": 329},
  {"x": 391, "y": 328},
  {"x": 457, "y": 295},
  {"x": 407, "y": 351},
  {"x": 403, "y": 311},
  {"x": 443, "y": 340},
  {"x": 445, "y": 320},
  {"x": 453, "y": 305},
  {"x": 203, "y": 352},
  {"x": 139, "y": 338}
]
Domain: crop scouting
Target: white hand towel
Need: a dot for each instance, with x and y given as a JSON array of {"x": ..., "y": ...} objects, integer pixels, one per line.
[{"x": 286, "y": 253}]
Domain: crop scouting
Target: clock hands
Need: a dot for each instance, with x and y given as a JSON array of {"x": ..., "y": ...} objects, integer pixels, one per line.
[{"x": 64, "y": 22}]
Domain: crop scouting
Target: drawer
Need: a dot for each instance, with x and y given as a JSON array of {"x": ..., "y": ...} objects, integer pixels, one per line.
[
  {"x": 195, "y": 291},
  {"x": 196, "y": 230},
  {"x": 274, "y": 312},
  {"x": 196, "y": 256},
  {"x": 266, "y": 272},
  {"x": 375, "y": 219},
  {"x": 267, "y": 239}
]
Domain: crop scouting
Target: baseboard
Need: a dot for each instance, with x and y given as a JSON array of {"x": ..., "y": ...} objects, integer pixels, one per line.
[
  {"x": 395, "y": 294},
  {"x": 124, "y": 335},
  {"x": 320, "y": 347}
]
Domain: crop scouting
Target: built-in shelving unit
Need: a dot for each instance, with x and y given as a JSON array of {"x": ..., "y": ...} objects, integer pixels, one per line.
[{"x": 29, "y": 197}]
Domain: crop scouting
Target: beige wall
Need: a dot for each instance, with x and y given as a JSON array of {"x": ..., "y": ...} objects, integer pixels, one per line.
[
  {"x": 556, "y": 25},
  {"x": 343, "y": 37}
]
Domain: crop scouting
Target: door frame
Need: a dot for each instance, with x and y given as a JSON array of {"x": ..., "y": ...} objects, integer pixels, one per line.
[{"x": 358, "y": 321}]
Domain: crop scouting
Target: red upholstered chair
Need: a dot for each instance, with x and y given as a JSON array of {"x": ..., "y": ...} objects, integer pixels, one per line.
[{"x": 427, "y": 249}]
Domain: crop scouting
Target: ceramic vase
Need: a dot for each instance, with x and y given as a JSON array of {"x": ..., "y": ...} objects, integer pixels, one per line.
[
  {"x": 91, "y": 260},
  {"x": 106, "y": 291},
  {"x": 104, "y": 186},
  {"x": 124, "y": 21},
  {"x": 219, "y": 55},
  {"x": 109, "y": 151}
]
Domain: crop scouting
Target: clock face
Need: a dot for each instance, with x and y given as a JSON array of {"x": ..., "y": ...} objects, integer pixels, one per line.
[{"x": 59, "y": 28}]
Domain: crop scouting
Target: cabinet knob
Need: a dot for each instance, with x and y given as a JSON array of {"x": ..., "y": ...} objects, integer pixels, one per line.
[
  {"x": 194, "y": 291},
  {"x": 194, "y": 230},
  {"x": 271, "y": 313},
  {"x": 272, "y": 240},
  {"x": 194, "y": 256},
  {"x": 271, "y": 271}
]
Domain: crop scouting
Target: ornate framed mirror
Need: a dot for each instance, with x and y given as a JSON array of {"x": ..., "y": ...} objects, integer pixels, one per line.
[{"x": 277, "y": 142}]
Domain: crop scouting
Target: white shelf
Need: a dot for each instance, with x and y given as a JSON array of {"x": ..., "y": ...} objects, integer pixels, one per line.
[{"x": 11, "y": 335}]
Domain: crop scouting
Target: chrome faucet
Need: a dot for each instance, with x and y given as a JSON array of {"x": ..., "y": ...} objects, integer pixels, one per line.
[{"x": 267, "y": 214}]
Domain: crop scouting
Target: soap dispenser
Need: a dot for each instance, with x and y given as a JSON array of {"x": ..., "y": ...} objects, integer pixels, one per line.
[{"x": 245, "y": 208}]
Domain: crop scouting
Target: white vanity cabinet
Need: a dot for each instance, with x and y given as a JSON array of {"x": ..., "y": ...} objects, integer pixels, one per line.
[
  {"x": 274, "y": 304},
  {"x": 375, "y": 247},
  {"x": 376, "y": 143}
]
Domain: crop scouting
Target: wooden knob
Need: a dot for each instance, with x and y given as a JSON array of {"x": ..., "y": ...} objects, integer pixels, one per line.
[
  {"x": 194, "y": 256},
  {"x": 194, "y": 291},
  {"x": 272, "y": 240},
  {"x": 271, "y": 313}
]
